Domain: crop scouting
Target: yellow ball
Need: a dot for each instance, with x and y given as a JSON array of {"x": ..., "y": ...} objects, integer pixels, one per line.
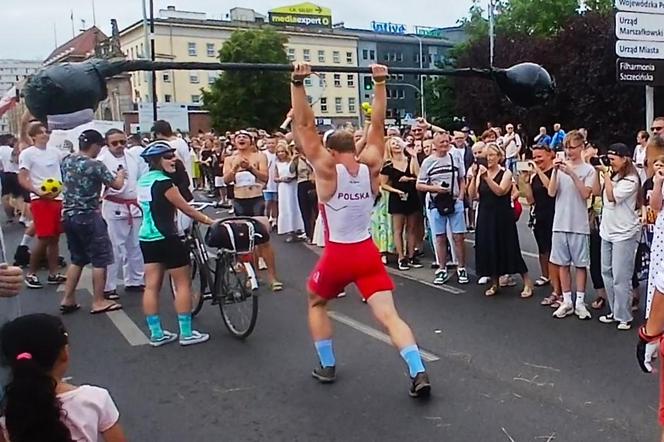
[{"x": 52, "y": 186}]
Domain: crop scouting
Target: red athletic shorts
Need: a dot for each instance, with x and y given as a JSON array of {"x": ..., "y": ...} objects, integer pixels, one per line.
[
  {"x": 661, "y": 383},
  {"x": 47, "y": 216},
  {"x": 342, "y": 264}
]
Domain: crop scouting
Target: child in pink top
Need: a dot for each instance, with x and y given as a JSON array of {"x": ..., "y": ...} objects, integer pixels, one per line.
[{"x": 38, "y": 405}]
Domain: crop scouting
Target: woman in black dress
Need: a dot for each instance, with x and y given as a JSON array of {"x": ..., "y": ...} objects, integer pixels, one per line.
[
  {"x": 497, "y": 249},
  {"x": 398, "y": 177}
]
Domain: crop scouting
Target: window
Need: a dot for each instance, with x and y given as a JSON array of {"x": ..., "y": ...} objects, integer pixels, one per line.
[
  {"x": 321, "y": 81},
  {"x": 349, "y": 57},
  {"x": 372, "y": 55},
  {"x": 351, "y": 105},
  {"x": 210, "y": 50},
  {"x": 338, "y": 106},
  {"x": 350, "y": 80},
  {"x": 337, "y": 80},
  {"x": 191, "y": 48},
  {"x": 402, "y": 93},
  {"x": 323, "y": 105},
  {"x": 394, "y": 56},
  {"x": 306, "y": 54},
  {"x": 142, "y": 55},
  {"x": 336, "y": 58},
  {"x": 195, "y": 98},
  {"x": 131, "y": 52},
  {"x": 166, "y": 77},
  {"x": 386, "y": 57},
  {"x": 400, "y": 56},
  {"x": 401, "y": 77},
  {"x": 291, "y": 54},
  {"x": 212, "y": 77},
  {"x": 307, "y": 81},
  {"x": 193, "y": 78},
  {"x": 321, "y": 56},
  {"x": 365, "y": 54},
  {"x": 167, "y": 98}
]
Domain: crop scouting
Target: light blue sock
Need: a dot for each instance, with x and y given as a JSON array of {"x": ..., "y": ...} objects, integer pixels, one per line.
[
  {"x": 154, "y": 324},
  {"x": 184, "y": 319},
  {"x": 325, "y": 353},
  {"x": 411, "y": 355}
]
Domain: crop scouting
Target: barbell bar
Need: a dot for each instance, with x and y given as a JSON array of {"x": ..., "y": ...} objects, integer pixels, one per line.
[{"x": 72, "y": 87}]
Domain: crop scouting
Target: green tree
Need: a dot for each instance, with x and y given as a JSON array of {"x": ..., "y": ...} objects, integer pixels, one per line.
[
  {"x": 536, "y": 17},
  {"x": 252, "y": 98}
]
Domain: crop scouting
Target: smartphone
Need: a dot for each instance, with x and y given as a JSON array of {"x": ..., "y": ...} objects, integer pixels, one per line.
[
  {"x": 523, "y": 166},
  {"x": 560, "y": 156},
  {"x": 481, "y": 161}
]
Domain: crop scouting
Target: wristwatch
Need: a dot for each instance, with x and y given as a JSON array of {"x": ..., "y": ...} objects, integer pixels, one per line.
[{"x": 297, "y": 83}]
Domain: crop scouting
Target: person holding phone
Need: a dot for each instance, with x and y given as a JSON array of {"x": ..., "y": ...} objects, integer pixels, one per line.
[
  {"x": 290, "y": 220},
  {"x": 572, "y": 184},
  {"x": 536, "y": 184}
]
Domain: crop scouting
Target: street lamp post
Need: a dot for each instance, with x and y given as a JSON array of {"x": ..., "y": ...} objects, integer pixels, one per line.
[{"x": 422, "y": 107}]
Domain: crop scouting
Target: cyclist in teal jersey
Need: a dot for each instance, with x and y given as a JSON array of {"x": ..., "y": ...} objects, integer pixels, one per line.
[{"x": 162, "y": 249}]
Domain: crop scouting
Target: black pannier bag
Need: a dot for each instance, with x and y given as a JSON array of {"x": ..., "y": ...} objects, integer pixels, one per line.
[{"x": 237, "y": 236}]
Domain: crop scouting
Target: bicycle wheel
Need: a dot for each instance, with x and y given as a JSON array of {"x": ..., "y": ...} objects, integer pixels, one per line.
[
  {"x": 238, "y": 304},
  {"x": 198, "y": 285}
]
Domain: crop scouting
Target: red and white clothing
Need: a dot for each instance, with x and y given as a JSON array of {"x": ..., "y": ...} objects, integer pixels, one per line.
[
  {"x": 123, "y": 216},
  {"x": 350, "y": 255}
]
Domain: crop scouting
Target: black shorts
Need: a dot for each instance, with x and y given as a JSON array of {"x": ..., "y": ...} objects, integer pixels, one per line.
[
  {"x": 249, "y": 206},
  {"x": 171, "y": 252},
  {"x": 543, "y": 231},
  {"x": 10, "y": 186}
]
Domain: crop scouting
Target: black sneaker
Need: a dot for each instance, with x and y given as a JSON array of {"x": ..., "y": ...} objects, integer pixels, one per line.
[
  {"x": 418, "y": 253},
  {"x": 325, "y": 375},
  {"x": 421, "y": 387},
  {"x": 32, "y": 282},
  {"x": 403, "y": 264},
  {"x": 56, "y": 279},
  {"x": 415, "y": 262}
]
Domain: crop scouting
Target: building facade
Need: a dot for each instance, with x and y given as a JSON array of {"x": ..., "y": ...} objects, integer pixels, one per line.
[
  {"x": 199, "y": 39},
  {"x": 13, "y": 72}
]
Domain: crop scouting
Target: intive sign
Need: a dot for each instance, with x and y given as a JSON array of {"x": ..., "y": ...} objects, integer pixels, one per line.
[{"x": 640, "y": 72}]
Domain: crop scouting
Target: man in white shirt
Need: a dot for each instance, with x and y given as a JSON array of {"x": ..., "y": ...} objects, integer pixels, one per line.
[
  {"x": 36, "y": 164},
  {"x": 512, "y": 147},
  {"x": 270, "y": 192},
  {"x": 9, "y": 165},
  {"x": 123, "y": 216},
  {"x": 639, "y": 157},
  {"x": 162, "y": 131}
]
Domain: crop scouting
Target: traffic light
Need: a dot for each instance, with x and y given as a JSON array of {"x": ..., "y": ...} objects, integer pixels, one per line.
[{"x": 368, "y": 83}]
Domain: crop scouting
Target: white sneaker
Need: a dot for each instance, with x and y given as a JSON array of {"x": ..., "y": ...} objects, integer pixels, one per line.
[
  {"x": 341, "y": 295},
  {"x": 624, "y": 326},
  {"x": 607, "y": 319},
  {"x": 581, "y": 312},
  {"x": 166, "y": 338},
  {"x": 563, "y": 311},
  {"x": 195, "y": 338},
  {"x": 484, "y": 280},
  {"x": 261, "y": 264}
]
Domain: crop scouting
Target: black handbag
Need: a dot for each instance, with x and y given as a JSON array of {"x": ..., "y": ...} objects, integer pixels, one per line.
[
  {"x": 642, "y": 264},
  {"x": 445, "y": 202}
]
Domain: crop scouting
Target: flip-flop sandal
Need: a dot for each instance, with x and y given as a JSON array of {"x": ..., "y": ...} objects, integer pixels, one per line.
[
  {"x": 112, "y": 296},
  {"x": 527, "y": 293},
  {"x": 598, "y": 304},
  {"x": 492, "y": 291},
  {"x": 277, "y": 286},
  {"x": 109, "y": 308},
  {"x": 549, "y": 299},
  {"x": 542, "y": 281},
  {"x": 66, "y": 309},
  {"x": 510, "y": 282}
]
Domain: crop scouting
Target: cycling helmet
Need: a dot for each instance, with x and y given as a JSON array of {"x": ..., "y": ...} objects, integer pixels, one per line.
[{"x": 156, "y": 149}]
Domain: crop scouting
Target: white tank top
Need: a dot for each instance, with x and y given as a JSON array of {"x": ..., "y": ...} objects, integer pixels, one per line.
[{"x": 347, "y": 214}]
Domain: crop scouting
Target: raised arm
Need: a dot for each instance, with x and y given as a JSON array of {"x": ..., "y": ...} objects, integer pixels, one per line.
[
  {"x": 374, "y": 152},
  {"x": 304, "y": 127}
]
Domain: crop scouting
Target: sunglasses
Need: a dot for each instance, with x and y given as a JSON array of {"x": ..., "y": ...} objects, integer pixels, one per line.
[
  {"x": 575, "y": 147},
  {"x": 118, "y": 143},
  {"x": 168, "y": 156}
]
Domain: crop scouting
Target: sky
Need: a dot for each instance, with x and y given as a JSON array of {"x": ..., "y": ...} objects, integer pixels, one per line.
[{"x": 29, "y": 28}]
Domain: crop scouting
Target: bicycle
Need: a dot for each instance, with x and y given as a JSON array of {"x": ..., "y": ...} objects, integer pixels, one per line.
[{"x": 228, "y": 279}]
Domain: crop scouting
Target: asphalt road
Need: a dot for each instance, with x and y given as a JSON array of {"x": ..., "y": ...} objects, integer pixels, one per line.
[{"x": 504, "y": 369}]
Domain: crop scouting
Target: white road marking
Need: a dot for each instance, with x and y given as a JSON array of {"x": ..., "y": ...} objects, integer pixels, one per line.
[
  {"x": 131, "y": 332},
  {"x": 523, "y": 252},
  {"x": 370, "y": 331}
]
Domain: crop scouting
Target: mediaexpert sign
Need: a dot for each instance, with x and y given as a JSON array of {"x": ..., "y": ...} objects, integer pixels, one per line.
[
  {"x": 647, "y": 6},
  {"x": 640, "y": 72},
  {"x": 303, "y": 14}
]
